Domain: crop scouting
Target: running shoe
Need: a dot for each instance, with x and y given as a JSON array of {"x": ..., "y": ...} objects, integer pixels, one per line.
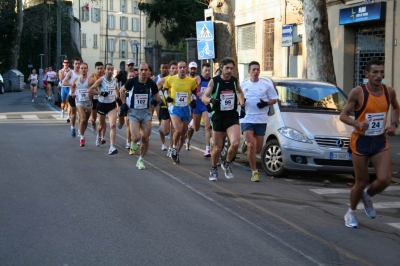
[
  {"x": 228, "y": 169},
  {"x": 112, "y": 150},
  {"x": 131, "y": 152},
  {"x": 255, "y": 177},
  {"x": 207, "y": 154},
  {"x": 187, "y": 144},
  {"x": 244, "y": 147},
  {"x": 177, "y": 161},
  {"x": 46, "y": 98},
  {"x": 73, "y": 134},
  {"x": 163, "y": 147},
  {"x": 62, "y": 113},
  {"x": 32, "y": 100},
  {"x": 213, "y": 174},
  {"x": 119, "y": 125},
  {"x": 134, "y": 146},
  {"x": 127, "y": 146},
  {"x": 103, "y": 141},
  {"x": 140, "y": 164},
  {"x": 174, "y": 154},
  {"x": 82, "y": 142},
  {"x": 79, "y": 132},
  {"x": 68, "y": 120},
  {"x": 350, "y": 219},
  {"x": 139, "y": 143},
  {"x": 98, "y": 141},
  {"x": 368, "y": 207},
  {"x": 169, "y": 152}
]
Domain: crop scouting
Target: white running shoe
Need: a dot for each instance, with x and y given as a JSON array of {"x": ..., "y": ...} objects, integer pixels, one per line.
[
  {"x": 32, "y": 100},
  {"x": 368, "y": 206},
  {"x": 98, "y": 141},
  {"x": 163, "y": 147},
  {"x": 169, "y": 152},
  {"x": 350, "y": 219},
  {"x": 127, "y": 145},
  {"x": 112, "y": 150}
]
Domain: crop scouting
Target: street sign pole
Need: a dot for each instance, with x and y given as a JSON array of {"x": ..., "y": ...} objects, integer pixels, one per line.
[{"x": 287, "y": 41}]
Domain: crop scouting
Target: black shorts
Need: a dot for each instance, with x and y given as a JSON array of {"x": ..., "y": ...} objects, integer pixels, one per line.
[
  {"x": 221, "y": 121},
  {"x": 51, "y": 83},
  {"x": 367, "y": 145},
  {"x": 105, "y": 108},
  {"x": 94, "y": 101},
  {"x": 163, "y": 114},
  {"x": 71, "y": 101}
]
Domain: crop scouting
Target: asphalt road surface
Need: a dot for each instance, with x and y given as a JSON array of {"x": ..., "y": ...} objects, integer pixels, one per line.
[{"x": 61, "y": 204}]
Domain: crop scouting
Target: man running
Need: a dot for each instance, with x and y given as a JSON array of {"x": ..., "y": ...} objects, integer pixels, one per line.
[
  {"x": 193, "y": 69},
  {"x": 106, "y": 88},
  {"x": 99, "y": 72},
  {"x": 80, "y": 92},
  {"x": 33, "y": 80},
  {"x": 67, "y": 81},
  {"x": 370, "y": 103},
  {"x": 62, "y": 73},
  {"x": 51, "y": 78},
  {"x": 162, "y": 109},
  {"x": 225, "y": 92},
  {"x": 201, "y": 111},
  {"x": 140, "y": 89},
  {"x": 259, "y": 95},
  {"x": 180, "y": 88}
]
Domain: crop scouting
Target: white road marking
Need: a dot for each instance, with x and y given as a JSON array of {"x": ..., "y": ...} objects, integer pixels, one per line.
[
  {"x": 30, "y": 117},
  {"x": 395, "y": 225},
  {"x": 3, "y": 116},
  {"x": 58, "y": 117},
  {"x": 322, "y": 191},
  {"x": 382, "y": 205}
]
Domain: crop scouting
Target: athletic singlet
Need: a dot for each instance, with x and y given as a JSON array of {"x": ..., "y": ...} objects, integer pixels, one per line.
[
  {"x": 82, "y": 90},
  {"x": 203, "y": 85},
  {"x": 33, "y": 78},
  {"x": 51, "y": 76},
  {"x": 95, "y": 77},
  {"x": 226, "y": 92},
  {"x": 73, "y": 77},
  {"x": 108, "y": 86},
  {"x": 373, "y": 109}
]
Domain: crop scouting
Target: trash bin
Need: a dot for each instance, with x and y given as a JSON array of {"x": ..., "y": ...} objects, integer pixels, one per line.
[{"x": 13, "y": 80}]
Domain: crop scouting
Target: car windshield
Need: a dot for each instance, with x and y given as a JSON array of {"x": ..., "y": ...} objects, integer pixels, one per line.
[{"x": 310, "y": 96}]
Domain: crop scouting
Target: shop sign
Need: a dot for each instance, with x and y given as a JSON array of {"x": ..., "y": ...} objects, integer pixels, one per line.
[{"x": 363, "y": 13}]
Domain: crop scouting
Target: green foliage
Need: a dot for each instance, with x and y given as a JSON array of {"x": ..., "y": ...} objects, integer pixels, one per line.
[
  {"x": 177, "y": 18},
  {"x": 8, "y": 19}
]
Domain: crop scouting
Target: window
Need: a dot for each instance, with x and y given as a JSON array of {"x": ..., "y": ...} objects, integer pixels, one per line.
[
  {"x": 111, "y": 20},
  {"x": 111, "y": 45},
  {"x": 246, "y": 37},
  {"x": 84, "y": 14},
  {"x": 123, "y": 6},
  {"x": 122, "y": 48},
  {"x": 95, "y": 14},
  {"x": 124, "y": 23},
  {"x": 111, "y": 5},
  {"x": 134, "y": 7},
  {"x": 135, "y": 24},
  {"x": 94, "y": 40},
  {"x": 268, "y": 45},
  {"x": 83, "y": 39}
]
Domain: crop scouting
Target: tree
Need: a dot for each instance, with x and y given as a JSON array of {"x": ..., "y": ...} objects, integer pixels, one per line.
[
  {"x": 177, "y": 18},
  {"x": 319, "y": 50},
  {"x": 7, "y": 18},
  {"x": 16, "y": 43}
]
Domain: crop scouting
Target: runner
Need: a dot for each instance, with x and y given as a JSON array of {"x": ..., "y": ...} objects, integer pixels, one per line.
[
  {"x": 33, "y": 80},
  {"x": 106, "y": 88},
  {"x": 80, "y": 92},
  {"x": 225, "y": 92},
  {"x": 140, "y": 89},
  {"x": 99, "y": 72},
  {"x": 131, "y": 75},
  {"x": 180, "y": 88},
  {"x": 64, "y": 89},
  {"x": 162, "y": 111},
  {"x": 368, "y": 143},
  {"x": 67, "y": 82},
  {"x": 201, "y": 110},
  {"x": 193, "y": 69},
  {"x": 259, "y": 95},
  {"x": 50, "y": 77}
]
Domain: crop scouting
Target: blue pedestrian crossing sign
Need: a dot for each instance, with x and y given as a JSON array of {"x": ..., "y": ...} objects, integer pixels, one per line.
[
  {"x": 205, "y": 50},
  {"x": 205, "y": 30}
]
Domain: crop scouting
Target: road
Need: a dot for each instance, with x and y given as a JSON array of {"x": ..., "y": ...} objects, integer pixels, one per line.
[{"x": 61, "y": 204}]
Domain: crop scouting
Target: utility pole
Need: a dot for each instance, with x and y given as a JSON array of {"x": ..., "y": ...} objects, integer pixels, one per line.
[{"x": 58, "y": 56}]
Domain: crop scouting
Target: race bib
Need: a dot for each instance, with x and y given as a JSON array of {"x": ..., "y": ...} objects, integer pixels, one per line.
[
  {"x": 376, "y": 123},
  {"x": 95, "y": 96},
  {"x": 181, "y": 99},
  {"x": 227, "y": 100},
  {"x": 83, "y": 95},
  {"x": 202, "y": 90},
  {"x": 111, "y": 93},
  {"x": 141, "y": 101}
]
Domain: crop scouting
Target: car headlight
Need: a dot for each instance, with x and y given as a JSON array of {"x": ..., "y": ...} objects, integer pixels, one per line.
[{"x": 294, "y": 134}]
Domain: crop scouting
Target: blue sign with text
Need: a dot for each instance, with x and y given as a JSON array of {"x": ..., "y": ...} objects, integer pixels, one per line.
[
  {"x": 205, "y": 50},
  {"x": 363, "y": 13}
]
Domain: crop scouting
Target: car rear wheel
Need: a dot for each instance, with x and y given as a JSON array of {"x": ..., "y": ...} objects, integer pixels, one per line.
[{"x": 272, "y": 159}]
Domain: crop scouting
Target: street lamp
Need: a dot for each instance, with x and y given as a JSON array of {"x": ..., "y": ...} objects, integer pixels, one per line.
[
  {"x": 106, "y": 50},
  {"x": 136, "y": 44}
]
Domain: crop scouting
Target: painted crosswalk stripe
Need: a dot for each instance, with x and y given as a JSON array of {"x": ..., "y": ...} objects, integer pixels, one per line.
[
  {"x": 323, "y": 191},
  {"x": 396, "y": 225},
  {"x": 382, "y": 205},
  {"x": 30, "y": 117},
  {"x": 57, "y": 117},
  {"x": 3, "y": 117}
]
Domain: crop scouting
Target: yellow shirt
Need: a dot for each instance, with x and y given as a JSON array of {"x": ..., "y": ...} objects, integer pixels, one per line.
[{"x": 180, "y": 89}]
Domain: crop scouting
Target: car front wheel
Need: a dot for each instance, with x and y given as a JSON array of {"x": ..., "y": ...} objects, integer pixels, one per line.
[{"x": 272, "y": 159}]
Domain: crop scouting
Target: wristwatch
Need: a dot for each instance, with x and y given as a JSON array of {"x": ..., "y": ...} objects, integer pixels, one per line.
[{"x": 395, "y": 124}]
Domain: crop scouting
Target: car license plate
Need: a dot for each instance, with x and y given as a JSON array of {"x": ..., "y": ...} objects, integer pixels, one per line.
[{"x": 340, "y": 156}]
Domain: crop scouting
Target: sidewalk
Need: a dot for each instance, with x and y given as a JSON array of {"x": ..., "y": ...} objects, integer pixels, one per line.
[{"x": 394, "y": 149}]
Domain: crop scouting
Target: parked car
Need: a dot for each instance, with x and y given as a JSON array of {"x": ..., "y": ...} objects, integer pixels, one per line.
[
  {"x": 1, "y": 84},
  {"x": 304, "y": 132}
]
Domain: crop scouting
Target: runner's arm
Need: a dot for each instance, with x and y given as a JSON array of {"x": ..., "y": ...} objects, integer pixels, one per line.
[
  {"x": 240, "y": 95},
  {"x": 395, "y": 113},
  {"x": 122, "y": 94},
  {"x": 94, "y": 88},
  {"x": 206, "y": 96},
  {"x": 73, "y": 87},
  {"x": 354, "y": 98},
  {"x": 65, "y": 80}
]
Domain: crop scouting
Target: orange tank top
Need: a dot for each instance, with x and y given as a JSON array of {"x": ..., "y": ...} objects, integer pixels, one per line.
[{"x": 373, "y": 109}]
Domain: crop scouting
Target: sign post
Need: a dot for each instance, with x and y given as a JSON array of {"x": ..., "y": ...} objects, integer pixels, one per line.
[{"x": 287, "y": 41}]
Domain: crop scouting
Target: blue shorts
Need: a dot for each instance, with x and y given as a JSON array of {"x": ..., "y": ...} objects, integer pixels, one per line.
[
  {"x": 64, "y": 93},
  {"x": 200, "y": 107},
  {"x": 367, "y": 145},
  {"x": 183, "y": 112},
  {"x": 259, "y": 129}
]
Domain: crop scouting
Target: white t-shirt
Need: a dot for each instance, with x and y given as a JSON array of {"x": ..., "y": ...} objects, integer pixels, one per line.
[{"x": 253, "y": 92}]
